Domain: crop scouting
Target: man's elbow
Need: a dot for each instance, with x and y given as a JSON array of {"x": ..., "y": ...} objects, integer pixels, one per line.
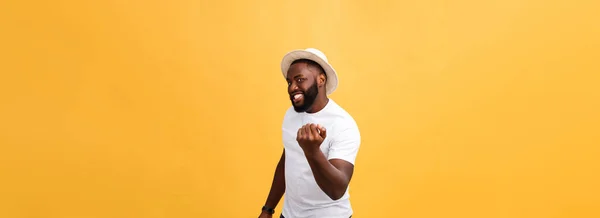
[
  {"x": 336, "y": 197},
  {"x": 337, "y": 194}
]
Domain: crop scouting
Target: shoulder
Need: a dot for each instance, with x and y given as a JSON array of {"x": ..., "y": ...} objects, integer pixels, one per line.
[
  {"x": 289, "y": 116},
  {"x": 344, "y": 122},
  {"x": 290, "y": 112},
  {"x": 342, "y": 115}
]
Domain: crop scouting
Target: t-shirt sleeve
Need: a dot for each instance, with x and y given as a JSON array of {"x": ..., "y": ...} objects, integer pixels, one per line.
[{"x": 345, "y": 144}]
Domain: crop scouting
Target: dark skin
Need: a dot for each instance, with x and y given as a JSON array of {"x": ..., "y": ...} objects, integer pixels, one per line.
[
  {"x": 277, "y": 187},
  {"x": 332, "y": 176}
]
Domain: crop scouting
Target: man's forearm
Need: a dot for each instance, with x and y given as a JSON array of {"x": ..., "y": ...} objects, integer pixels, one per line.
[
  {"x": 278, "y": 185},
  {"x": 331, "y": 180}
]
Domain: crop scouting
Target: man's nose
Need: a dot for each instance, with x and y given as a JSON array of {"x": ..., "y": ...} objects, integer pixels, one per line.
[{"x": 293, "y": 87}]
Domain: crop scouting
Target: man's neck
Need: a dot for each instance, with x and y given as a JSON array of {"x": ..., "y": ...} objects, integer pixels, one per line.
[{"x": 318, "y": 105}]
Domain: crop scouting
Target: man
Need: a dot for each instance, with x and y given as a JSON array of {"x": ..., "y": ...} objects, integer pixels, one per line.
[{"x": 321, "y": 142}]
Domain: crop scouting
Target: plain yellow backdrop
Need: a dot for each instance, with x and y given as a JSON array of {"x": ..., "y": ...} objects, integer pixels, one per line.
[{"x": 174, "y": 108}]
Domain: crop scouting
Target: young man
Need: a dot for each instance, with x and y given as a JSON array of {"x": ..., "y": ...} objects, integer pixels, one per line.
[{"x": 321, "y": 142}]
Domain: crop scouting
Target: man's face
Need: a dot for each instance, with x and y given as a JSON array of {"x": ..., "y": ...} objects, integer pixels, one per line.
[{"x": 302, "y": 86}]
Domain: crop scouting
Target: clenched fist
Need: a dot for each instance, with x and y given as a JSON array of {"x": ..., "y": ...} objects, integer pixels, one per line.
[{"x": 310, "y": 137}]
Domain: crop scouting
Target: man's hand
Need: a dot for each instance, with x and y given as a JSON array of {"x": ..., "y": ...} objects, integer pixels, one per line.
[{"x": 310, "y": 137}]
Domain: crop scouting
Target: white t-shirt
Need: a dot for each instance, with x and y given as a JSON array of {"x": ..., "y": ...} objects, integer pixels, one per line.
[{"x": 303, "y": 197}]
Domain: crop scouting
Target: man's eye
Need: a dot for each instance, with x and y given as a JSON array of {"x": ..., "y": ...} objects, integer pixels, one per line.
[{"x": 300, "y": 79}]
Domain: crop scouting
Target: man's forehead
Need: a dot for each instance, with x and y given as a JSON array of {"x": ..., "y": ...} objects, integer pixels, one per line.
[{"x": 298, "y": 69}]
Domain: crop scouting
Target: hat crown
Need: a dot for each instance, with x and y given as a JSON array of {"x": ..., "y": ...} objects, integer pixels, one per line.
[{"x": 318, "y": 53}]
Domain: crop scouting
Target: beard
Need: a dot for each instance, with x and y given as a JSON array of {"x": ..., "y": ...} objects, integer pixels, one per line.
[{"x": 309, "y": 98}]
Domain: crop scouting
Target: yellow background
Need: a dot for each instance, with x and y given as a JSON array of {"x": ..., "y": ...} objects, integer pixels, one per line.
[{"x": 174, "y": 108}]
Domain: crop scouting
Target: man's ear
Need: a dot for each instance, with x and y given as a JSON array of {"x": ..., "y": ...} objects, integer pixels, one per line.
[{"x": 322, "y": 79}]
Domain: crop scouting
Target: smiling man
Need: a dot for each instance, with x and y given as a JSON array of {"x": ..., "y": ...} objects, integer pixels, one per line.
[{"x": 321, "y": 142}]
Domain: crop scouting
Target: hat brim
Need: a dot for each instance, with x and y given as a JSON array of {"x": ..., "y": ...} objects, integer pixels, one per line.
[{"x": 290, "y": 57}]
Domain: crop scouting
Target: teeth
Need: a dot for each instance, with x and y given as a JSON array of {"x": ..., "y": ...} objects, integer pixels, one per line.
[{"x": 297, "y": 96}]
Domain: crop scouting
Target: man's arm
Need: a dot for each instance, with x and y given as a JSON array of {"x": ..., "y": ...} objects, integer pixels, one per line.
[
  {"x": 332, "y": 176},
  {"x": 277, "y": 187}
]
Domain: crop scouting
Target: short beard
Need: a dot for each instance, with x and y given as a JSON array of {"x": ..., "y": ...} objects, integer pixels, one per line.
[{"x": 309, "y": 98}]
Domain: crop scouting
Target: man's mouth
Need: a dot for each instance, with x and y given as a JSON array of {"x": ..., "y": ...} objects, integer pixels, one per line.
[{"x": 297, "y": 97}]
